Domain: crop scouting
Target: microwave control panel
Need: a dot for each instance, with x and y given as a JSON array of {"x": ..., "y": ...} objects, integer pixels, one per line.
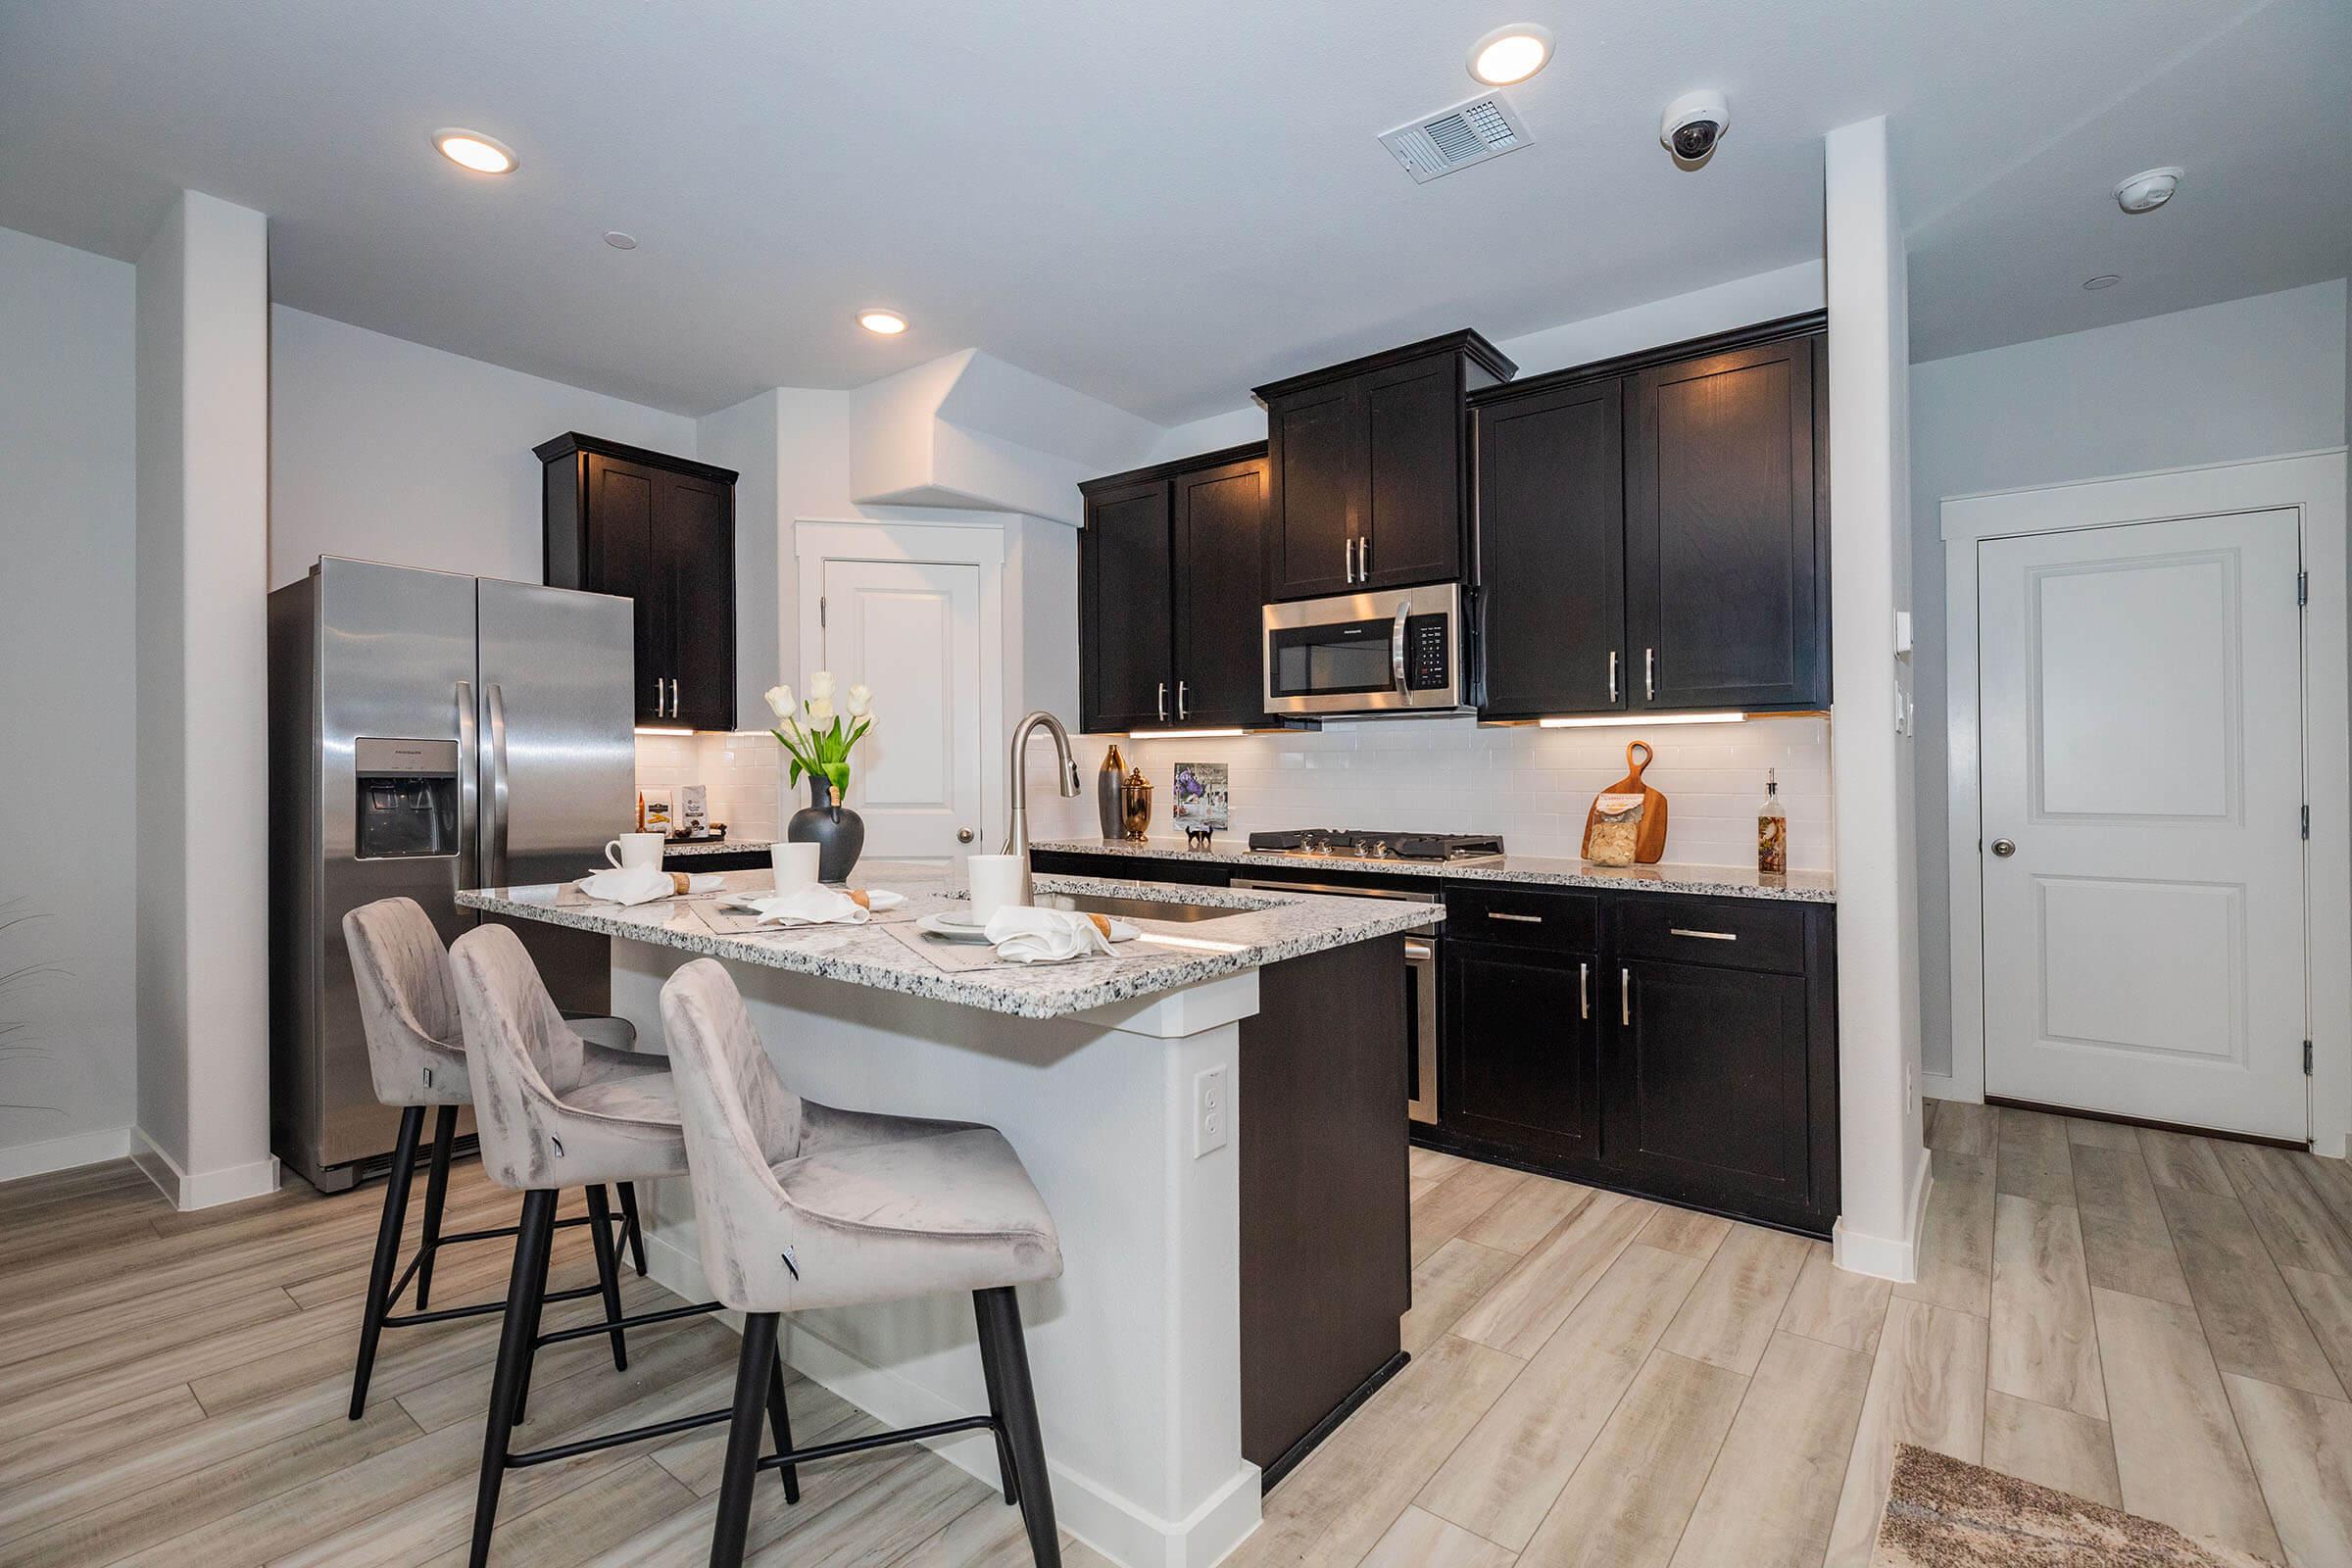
[{"x": 1428, "y": 660}]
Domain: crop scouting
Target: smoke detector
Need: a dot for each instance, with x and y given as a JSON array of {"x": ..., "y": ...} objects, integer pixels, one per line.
[
  {"x": 2146, "y": 192},
  {"x": 1471, "y": 132}
]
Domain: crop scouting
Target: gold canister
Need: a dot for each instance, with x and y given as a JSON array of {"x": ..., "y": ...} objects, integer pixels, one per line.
[{"x": 1135, "y": 807}]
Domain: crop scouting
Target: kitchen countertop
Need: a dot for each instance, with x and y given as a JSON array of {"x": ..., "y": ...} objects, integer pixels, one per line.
[
  {"x": 1272, "y": 927},
  {"x": 678, "y": 847},
  {"x": 1711, "y": 881}
]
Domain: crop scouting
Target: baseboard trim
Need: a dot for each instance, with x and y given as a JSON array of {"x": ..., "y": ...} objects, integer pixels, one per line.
[
  {"x": 203, "y": 1189},
  {"x": 70, "y": 1153},
  {"x": 1887, "y": 1258},
  {"x": 1104, "y": 1521}
]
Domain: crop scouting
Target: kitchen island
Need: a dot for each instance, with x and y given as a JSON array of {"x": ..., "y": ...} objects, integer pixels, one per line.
[{"x": 1213, "y": 1115}]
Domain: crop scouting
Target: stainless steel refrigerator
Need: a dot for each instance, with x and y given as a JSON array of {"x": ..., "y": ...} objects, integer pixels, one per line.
[{"x": 428, "y": 732}]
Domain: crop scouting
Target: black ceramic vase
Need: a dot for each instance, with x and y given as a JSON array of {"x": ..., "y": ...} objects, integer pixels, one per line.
[{"x": 838, "y": 832}]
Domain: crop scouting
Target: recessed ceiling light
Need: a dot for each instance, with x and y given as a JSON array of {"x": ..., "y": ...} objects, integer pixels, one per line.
[
  {"x": 620, "y": 241},
  {"x": 2103, "y": 280},
  {"x": 471, "y": 149},
  {"x": 1510, "y": 54},
  {"x": 889, "y": 324},
  {"x": 2147, "y": 190}
]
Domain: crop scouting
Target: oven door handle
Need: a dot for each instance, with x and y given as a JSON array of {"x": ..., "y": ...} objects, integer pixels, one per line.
[{"x": 1422, "y": 956}]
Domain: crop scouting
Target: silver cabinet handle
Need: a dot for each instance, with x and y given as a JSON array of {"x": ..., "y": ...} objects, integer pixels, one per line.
[
  {"x": 1363, "y": 557},
  {"x": 1649, "y": 672},
  {"x": 1625, "y": 996},
  {"x": 1583, "y": 991},
  {"x": 673, "y": 695},
  {"x": 658, "y": 712},
  {"x": 497, "y": 869},
  {"x": 1180, "y": 698},
  {"x": 1163, "y": 702},
  {"x": 1705, "y": 936},
  {"x": 470, "y": 792},
  {"x": 1612, "y": 675},
  {"x": 2004, "y": 848},
  {"x": 1523, "y": 919}
]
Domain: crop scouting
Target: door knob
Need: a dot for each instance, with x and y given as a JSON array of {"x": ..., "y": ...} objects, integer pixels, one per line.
[
  {"x": 963, "y": 835},
  {"x": 2004, "y": 848}
]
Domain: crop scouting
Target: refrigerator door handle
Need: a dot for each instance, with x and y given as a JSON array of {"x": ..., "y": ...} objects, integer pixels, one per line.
[
  {"x": 497, "y": 868},
  {"x": 470, "y": 792}
]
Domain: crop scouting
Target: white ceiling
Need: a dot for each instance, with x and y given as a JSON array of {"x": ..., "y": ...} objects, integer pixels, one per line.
[{"x": 1159, "y": 205}]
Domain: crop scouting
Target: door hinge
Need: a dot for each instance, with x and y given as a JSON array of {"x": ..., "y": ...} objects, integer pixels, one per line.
[
  {"x": 2306, "y": 1058},
  {"x": 2307, "y": 823},
  {"x": 2302, "y": 587},
  {"x": 820, "y": 609}
]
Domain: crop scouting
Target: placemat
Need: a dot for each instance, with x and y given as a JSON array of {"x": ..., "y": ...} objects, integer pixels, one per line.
[{"x": 743, "y": 923}]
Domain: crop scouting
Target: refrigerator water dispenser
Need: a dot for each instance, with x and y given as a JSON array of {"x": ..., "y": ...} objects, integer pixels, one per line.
[{"x": 407, "y": 799}]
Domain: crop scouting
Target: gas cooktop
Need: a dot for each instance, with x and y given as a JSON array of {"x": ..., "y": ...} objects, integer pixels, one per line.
[{"x": 1355, "y": 844}]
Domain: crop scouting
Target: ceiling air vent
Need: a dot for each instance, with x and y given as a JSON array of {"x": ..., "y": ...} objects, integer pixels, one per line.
[{"x": 1468, "y": 133}]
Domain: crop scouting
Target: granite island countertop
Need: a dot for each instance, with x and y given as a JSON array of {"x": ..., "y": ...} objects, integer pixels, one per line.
[
  {"x": 1266, "y": 928},
  {"x": 1535, "y": 870},
  {"x": 677, "y": 849}
]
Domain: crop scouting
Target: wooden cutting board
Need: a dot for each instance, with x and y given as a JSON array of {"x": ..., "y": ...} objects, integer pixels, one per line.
[{"x": 1649, "y": 842}]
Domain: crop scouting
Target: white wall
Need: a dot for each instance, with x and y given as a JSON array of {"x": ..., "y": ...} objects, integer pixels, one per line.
[
  {"x": 2249, "y": 378},
  {"x": 68, "y": 527},
  {"x": 390, "y": 451}
]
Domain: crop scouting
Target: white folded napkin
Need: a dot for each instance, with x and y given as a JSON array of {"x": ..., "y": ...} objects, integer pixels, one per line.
[
  {"x": 1026, "y": 935},
  {"x": 817, "y": 905},
  {"x": 641, "y": 884}
]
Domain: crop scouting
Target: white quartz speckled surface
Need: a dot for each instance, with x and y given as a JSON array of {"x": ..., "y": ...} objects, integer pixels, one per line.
[
  {"x": 675, "y": 850},
  {"x": 1268, "y": 928},
  {"x": 1707, "y": 881}
]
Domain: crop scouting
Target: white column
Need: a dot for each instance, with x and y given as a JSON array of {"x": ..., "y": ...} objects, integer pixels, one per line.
[
  {"x": 202, "y": 702},
  {"x": 1884, "y": 1169}
]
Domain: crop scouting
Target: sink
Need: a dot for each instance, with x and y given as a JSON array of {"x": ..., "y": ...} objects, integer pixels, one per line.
[{"x": 1137, "y": 908}]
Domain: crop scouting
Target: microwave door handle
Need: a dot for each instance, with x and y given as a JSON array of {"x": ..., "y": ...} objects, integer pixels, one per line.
[
  {"x": 470, "y": 792},
  {"x": 1397, "y": 646}
]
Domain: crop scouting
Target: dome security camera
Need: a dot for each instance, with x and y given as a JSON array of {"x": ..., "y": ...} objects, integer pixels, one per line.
[{"x": 1693, "y": 123}]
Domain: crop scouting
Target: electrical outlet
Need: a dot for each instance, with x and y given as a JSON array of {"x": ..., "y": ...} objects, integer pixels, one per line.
[{"x": 1212, "y": 1112}]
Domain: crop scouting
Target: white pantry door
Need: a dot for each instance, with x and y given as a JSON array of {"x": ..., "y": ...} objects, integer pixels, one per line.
[
  {"x": 912, "y": 631},
  {"x": 2143, "y": 787}
]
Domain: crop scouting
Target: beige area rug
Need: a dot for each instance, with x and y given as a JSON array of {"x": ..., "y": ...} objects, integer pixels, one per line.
[{"x": 1944, "y": 1513}]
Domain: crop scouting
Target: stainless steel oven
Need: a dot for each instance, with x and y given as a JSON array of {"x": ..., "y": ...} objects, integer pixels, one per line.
[
  {"x": 1394, "y": 652},
  {"x": 1420, "y": 988}
]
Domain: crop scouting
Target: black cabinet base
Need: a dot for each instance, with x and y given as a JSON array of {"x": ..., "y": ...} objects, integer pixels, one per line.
[
  {"x": 1447, "y": 1141},
  {"x": 1273, "y": 1475}
]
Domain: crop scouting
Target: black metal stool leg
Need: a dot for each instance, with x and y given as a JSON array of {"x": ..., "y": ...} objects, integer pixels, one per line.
[
  {"x": 995, "y": 1411},
  {"x": 753, "y": 1379},
  {"x": 387, "y": 1254},
  {"x": 1002, "y": 1348},
  {"x": 779, "y": 1424},
  {"x": 524, "y": 1287},
  {"x": 436, "y": 1194},
  {"x": 608, "y": 1273},
  {"x": 628, "y": 1215},
  {"x": 537, "y": 1300}
]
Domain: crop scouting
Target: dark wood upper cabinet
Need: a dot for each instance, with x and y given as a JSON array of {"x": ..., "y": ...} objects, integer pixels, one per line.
[
  {"x": 1727, "y": 602},
  {"x": 1170, "y": 568},
  {"x": 660, "y": 532},
  {"x": 1369, "y": 487},
  {"x": 1552, "y": 551}
]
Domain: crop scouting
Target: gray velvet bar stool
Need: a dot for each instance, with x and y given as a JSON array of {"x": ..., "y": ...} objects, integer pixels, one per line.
[
  {"x": 416, "y": 1060},
  {"x": 798, "y": 1206},
  {"x": 554, "y": 1112}
]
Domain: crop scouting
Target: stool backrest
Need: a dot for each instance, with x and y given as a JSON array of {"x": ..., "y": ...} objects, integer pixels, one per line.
[
  {"x": 408, "y": 1004},
  {"x": 522, "y": 1055}
]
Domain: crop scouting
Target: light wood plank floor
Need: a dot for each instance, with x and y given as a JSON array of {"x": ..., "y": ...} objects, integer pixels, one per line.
[{"x": 2155, "y": 1321}]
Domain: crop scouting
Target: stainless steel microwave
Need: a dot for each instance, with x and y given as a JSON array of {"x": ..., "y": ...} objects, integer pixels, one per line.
[{"x": 1399, "y": 651}]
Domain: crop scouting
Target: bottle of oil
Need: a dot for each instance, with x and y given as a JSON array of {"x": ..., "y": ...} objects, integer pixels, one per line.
[{"x": 1772, "y": 829}]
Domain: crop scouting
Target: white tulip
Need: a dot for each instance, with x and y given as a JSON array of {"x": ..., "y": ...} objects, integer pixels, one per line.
[
  {"x": 820, "y": 710},
  {"x": 862, "y": 701},
  {"x": 780, "y": 699},
  {"x": 820, "y": 686}
]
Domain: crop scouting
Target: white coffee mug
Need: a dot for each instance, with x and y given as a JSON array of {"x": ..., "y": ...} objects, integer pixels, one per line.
[
  {"x": 634, "y": 849},
  {"x": 996, "y": 883},
  {"x": 796, "y": 865}
]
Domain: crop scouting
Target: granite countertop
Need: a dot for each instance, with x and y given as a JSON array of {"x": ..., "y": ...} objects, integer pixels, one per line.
[
  {"x": 1270, "y": 928},
  {"x": 1712, "y": 881},
  {"x": 677, "y": 848}
]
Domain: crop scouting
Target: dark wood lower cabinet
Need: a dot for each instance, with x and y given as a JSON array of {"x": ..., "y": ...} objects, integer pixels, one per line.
[{"x": 1534, "y": 1079}]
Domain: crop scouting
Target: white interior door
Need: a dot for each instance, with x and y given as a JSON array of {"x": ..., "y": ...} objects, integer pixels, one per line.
[
  {"x": 911, "y": 630},
  {"x": 2143, "y": 793}
]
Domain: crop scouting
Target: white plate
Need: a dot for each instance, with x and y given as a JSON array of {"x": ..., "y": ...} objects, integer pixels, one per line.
[{"x": 956, "y": 928}]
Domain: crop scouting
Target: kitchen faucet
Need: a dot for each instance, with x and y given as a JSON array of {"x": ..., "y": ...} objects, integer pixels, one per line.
[{"x": 1017, "y": 833}]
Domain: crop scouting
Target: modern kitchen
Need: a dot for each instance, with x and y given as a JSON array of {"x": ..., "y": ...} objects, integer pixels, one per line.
[{"x": 929, "y": 901}]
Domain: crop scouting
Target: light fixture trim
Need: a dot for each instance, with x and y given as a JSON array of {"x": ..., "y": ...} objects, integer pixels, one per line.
[
  {"x": 1510, "y": 55},
  {"x": 1184, "y": 734},
  {"x": 2148, "y": 189},
  {"x": 620, "y": 239},
  {"x": 882, "y": 322},
  {"x": 2103, "y": 280},
  {"x": 661, "y": 729},
  {"x": 475, "y": 151},
  {"x": 1620, "y": 720}
]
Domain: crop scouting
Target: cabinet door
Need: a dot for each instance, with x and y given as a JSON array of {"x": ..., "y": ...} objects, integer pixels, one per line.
[
  {"x": 1220, "y": 586},
  {"x": 696, "y": 521},
  {"x": 1125, "y": 558},
  {"x": 1726, "y": 597},
  {"x": 626, "y": 556},
  {"x": 1412, "y": 520},
  {"x": 1520, "y": 1048},
  {"x": 1707, "y": 1085},
  {"x": 1552, "y": 551},
  {"x": 1314, "y": 490}
]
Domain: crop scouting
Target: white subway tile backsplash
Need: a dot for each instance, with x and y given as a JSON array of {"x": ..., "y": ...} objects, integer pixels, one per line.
[{"x": 744, "y": 773}]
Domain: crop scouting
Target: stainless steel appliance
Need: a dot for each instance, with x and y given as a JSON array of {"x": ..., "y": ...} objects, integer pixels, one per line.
[
  {"x": 1397, "y": 650},
  {"x": 428, "y": 732},
  {"x": 1359, "y": 844},
  {"x": 1420, "y": 986}
]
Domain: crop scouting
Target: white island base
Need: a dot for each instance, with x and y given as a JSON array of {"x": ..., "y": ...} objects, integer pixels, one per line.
[{"x": 1135, "y": 1350}]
